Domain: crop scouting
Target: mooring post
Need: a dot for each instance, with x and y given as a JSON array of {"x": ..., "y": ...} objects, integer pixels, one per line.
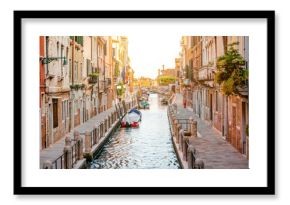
[
  {"x": 171, "y": 118},
  {"x": 67, "y": 140},
  {"x": 76, "y": 135},
  {"x": 80, "y": 148},
  {"x": 199, "y": 164},
  {"x": 98, "y": 133},
  {"x": 76, "y": 140},
  {"x": 88, "y": 142},
  {"x": 185, "y": 143},
  {"x": 175, "y": 129},
  {"x": 95, "y": 134},
  {"x": 190, "y": 157},
  {"x": 67, "y": 157},
  {"x": 102, "y": 129},
  {"x": 106, "y": 124},
  {"x": 110, "y": 120},
  {"x": 180, "y": 140},
  {"x": 179, "y": 127},
  {"x": 193, "y": 128}
]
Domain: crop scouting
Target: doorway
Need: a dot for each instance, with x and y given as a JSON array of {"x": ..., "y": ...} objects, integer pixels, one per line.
[
  {"x": 244, "y": 127},
  {"x": 50, "y": 125},
  {"x": 234, "y": 126},
  {"x": 210, "y": 107}
]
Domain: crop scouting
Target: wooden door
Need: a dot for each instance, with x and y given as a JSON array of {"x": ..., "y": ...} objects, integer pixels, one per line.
[{"x": 234, "y": 126}]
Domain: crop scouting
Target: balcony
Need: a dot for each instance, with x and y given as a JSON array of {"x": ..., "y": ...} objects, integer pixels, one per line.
[
  {"x": 93, "y": 80},
  {"x": 205, "y": 74}
]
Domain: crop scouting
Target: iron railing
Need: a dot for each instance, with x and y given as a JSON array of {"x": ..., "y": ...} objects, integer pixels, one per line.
[{"x": 58, "y": 163}]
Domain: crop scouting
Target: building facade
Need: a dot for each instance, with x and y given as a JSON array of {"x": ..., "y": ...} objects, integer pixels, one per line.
[
  {"x": 57, "y": 87},
  {"x": 78, "y": 78},
  {"x": 109, "y": 70},
  {"x": 42, "y": 95},
  {"x": 102, "y": 95},
  {"x": 227, "y": 114}
]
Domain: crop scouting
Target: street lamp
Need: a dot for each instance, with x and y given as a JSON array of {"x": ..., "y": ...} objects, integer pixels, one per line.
[{"x": 50, "y": 59}]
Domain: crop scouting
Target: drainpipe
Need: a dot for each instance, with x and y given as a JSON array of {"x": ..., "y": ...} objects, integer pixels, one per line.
[
  {"x": 72, "y": 76},
  {"x": 46, "y": 53},
  {"x": 104, "y": 66},
  {"x": 226, "y": 119},
  {"x": 47, "y": 108},
  {"x": 98, "y": 90},
  {"x": 73, "y": 59},
  {"x": 92, "y": 90}
]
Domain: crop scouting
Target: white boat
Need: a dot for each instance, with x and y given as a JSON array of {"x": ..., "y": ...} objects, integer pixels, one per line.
[{"x": 131, "y": 119}]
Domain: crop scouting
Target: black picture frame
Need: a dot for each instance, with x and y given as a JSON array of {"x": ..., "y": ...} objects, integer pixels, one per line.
[{"x": 268, "y": 190}]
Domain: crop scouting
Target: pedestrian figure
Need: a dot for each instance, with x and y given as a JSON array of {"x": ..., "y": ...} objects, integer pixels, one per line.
[{"x": 184, "y": 94}]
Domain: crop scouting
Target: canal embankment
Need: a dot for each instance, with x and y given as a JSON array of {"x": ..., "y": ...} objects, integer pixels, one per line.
[
  {"x": 197, "y": 144},
  {"x": 79, "y": 146}
]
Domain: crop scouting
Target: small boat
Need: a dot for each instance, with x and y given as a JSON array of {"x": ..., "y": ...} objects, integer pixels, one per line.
[
  {"x": 129, "y": 124},
  {"x": 131, "y": 119},
  {"x": 135, "y": 115},
  {"x": 144, "y": 105}
]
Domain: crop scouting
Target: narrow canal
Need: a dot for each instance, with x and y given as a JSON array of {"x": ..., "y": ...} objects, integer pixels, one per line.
[{"x": 146, "y": 147}]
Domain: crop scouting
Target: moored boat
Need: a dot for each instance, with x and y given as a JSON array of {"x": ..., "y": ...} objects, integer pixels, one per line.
[
  {"x": 132, "y": 118},
  {"x": 144, "y": 105}
]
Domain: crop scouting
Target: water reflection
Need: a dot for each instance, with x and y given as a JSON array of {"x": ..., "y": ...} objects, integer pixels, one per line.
[{"x": 146, "y": 147}]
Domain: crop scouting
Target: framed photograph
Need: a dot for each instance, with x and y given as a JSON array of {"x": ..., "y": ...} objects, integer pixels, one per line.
[{"x": 144, "y": 102}]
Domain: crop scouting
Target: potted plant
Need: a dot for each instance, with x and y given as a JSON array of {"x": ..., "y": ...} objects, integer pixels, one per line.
[{"x": 93, "y": 78}]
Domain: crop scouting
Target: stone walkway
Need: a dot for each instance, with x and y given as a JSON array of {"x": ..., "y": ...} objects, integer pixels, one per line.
[
  {"x": 211, "y": 147},
  {"x": 56, "y": 149}
]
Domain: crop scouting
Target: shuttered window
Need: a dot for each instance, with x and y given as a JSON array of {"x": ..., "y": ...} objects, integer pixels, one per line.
[
  {"x": 55, "y": 112},
  {"x": 76, "y": 72},
  {"x": 64, "y": 109},
  {"x": 89, "y": 67},
  {"x": 61, "y": 59}
]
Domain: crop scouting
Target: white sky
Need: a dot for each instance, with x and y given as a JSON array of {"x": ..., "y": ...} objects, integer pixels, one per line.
[{"x": 148, "y": 53}]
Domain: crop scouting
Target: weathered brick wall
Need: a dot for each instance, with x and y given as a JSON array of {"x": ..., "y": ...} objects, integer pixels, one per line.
[
  {"x": 77, "y": 118},
  {"x": 218, "y": 121},
  {"x": 43, "y": 131},
  {"x": 109, "y": 99},
  {"x": 235, "y": 134}
]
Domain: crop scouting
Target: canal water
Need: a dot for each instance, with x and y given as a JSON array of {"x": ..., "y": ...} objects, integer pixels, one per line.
[{"x": 146, "y": 147}]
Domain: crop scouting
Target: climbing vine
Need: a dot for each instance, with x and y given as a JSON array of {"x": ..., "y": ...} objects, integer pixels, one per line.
[{"x": 232, "y": 73}]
